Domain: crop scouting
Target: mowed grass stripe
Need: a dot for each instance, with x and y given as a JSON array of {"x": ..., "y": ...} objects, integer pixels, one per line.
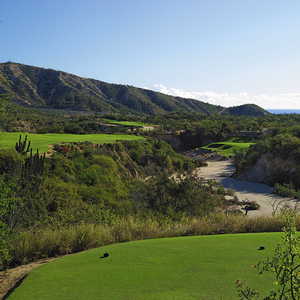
[
  {"x": 227, "y": 148},
  {"x": 126, "y": 123},
  {"x": 42, "y": 141},
  {"x": 203, "y": 267}
]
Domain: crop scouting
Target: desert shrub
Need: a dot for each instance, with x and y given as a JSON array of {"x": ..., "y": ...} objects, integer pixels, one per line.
[
  {"x": 176, "y": 197},
  {"x": 153, "y": 151},
  {"x": 250, "y": 205},
  {"x": 61, "y": 167},
  {"x": 5, "y": 254},
  {"x": 10, "y": 162},
  {"x": 57, "y": 194},
  {"x": 286, "y": 190}
]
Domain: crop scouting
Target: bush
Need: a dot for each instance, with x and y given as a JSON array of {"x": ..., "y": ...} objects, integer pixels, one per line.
[
  {"x": 286, "y": 190},
  {"x": 176, "y": 197},
  {"x": 10, "y": 162},
  {"x": 250, "y": 205},
  {"x": 5, "y": 255}
]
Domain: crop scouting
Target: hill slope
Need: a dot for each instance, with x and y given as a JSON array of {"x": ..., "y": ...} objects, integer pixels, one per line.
[
  {"x": 47, "y": 88},
  {"x": 250, "y": 110}
]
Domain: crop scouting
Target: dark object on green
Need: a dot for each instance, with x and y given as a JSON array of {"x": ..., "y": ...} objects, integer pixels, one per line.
[
  {"x": 106, "y": 254},
  {"x": 261, "y": 248}
]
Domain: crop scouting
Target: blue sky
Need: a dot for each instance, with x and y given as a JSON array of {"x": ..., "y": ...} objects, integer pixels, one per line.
[{"x": 223, "y": 51}]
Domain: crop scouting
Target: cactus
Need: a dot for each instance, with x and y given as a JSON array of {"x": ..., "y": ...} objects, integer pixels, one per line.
[
  {"x": 23, "y": 147},
  {"x": 34, "y": 163},
  {"x": 33, "y": 167}
]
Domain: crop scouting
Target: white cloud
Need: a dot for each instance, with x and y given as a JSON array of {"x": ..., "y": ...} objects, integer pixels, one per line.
[{"x": 267, "y": 101}]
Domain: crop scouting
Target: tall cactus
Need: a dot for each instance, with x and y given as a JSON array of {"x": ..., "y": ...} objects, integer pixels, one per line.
[
  {"x": 33, "y": 165},
  {"x": 23, "y": 147}
]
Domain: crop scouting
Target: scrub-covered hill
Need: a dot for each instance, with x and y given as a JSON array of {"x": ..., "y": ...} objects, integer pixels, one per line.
[
  {"x": 250, "y": 110},
  {"x": 47, "y": 88}
]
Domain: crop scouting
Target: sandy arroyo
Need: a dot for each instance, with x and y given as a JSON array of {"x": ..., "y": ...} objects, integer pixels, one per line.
[{"x": 245, "y": 190}]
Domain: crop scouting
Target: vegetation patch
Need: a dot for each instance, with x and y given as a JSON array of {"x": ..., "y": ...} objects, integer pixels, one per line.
[
  {"x": 200, "y": 267},
  {"x": 42, "y": 141},
  {"x": 278, "y": 158},
  {"x": 286, "y": 190}
]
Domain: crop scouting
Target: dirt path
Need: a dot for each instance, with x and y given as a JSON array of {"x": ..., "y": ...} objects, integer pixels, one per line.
[{"x": 245, "y": 190}]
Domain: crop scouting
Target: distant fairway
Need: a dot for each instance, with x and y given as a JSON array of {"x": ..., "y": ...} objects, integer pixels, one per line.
[
  {"x": 42, "y": 141},
  {"x": 227, "y": 148},
  {"x": 126, "y": 123},
  {"x": 204, "y": 267}
]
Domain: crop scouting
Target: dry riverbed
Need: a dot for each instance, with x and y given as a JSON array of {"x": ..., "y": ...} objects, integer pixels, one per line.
[{"x": 245, "y": 190}]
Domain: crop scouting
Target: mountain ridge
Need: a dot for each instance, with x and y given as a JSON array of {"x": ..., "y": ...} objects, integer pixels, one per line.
[{"x": 48, "y": 88}]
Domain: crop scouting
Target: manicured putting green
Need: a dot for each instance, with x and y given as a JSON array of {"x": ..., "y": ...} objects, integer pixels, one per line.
[
  {"x": 204, "y": 267},
  {"x": 42, "y": 141},
  {"x": 227, "y": 148}
]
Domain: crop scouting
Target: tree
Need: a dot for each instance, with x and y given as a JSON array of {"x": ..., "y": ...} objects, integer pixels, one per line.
[
  {"x": 285, "y": 265},
  {"x": 8, "y": 219}
]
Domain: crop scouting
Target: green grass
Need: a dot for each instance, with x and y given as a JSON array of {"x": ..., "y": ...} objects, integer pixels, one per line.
[
  {"x": 227, "y": 148},
  {"x": 42, "y": 141},
  {"x": 199, "y": 267},
  {"x": 126, "y": 123}
]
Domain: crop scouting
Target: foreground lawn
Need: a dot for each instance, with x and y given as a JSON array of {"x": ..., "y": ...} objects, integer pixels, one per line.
[
  {"x": 204, "y": 267},
  {"x": 42, "y": 141},
  {"x": 227, "y": 148}
]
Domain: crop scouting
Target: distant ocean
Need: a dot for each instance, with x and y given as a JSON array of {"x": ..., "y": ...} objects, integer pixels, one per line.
[{"x": 284, "y": 111}]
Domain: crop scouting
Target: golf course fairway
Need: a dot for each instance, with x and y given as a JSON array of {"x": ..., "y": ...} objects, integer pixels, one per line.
[
  {"x": 42, "y": 141},
  {"x": 198, "y": 267}
]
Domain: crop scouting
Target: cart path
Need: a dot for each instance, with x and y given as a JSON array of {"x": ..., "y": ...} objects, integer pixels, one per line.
[{"x": 245, "y": 190}]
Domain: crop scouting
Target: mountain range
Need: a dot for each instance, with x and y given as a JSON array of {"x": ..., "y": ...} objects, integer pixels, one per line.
[{"x": 51, "y": 89}]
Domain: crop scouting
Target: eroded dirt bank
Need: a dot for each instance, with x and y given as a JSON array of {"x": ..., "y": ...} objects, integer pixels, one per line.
[{"x": 10, "y": 278}]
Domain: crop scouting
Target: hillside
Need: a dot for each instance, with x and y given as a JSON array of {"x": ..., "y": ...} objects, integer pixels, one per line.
[
  {"x": 47, "y": 88},
  {"x": 250, "y": 110}
]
